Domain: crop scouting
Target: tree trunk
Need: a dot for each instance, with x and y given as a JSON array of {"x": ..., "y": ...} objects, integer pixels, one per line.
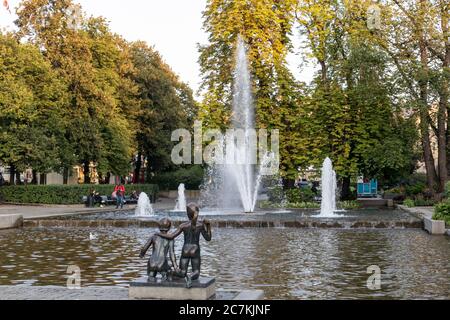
[
  {"x": 66, "y": 176},
  {"x": 444, "y": 94},
  {"x": 442, "y": 145},
  {"x": 108, "y": 177},
  {"x": 34, "y": 181},
  {"x": 148, "y": 172},
  {"x": 346, "y": 194},
  {"x": 424, "y": 115},
  {"x": 12, "y": 174},
  {"x": 18, "y": 182},
  {"x": 86, "y": 172},
  {"x": 137, "y": 170},
  {"x": 43, "y": 179}
]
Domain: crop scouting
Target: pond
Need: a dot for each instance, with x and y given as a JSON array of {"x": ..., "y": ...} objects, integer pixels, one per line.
[{"x": 286, "y": 263}]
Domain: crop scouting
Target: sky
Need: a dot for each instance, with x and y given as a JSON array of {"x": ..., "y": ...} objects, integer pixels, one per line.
[{"x": 173, "y": 27}]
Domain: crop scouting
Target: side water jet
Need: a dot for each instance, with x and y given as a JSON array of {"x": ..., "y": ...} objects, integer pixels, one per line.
[
  {"x": 144, "y": 207},
  {"x": 181, "y": 201},
  {"x": 328, "y": 206}
]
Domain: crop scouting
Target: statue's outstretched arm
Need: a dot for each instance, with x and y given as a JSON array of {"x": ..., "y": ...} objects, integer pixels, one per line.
[
  {"x": 206, "y": 230},
  {"x": 146, "y": 247},
  {"x": 171, "y": 236}
]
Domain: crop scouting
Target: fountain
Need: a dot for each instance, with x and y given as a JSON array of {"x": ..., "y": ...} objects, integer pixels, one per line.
[
  {"x": 328, "y": 207},
  {"x": 144, "y": 207},
  {"x": 181, "y": 202},
  {"x": 234, "y": 185}
]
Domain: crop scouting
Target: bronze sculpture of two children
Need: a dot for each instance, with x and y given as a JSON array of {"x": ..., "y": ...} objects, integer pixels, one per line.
[{"x": 163, "y": 244}]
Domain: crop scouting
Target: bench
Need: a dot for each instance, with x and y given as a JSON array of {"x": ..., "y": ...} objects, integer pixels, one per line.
[{"x": 106, "y": 201}]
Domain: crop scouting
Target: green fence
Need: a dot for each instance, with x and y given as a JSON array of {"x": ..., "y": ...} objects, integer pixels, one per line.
[{"x": 64, "y": 194}]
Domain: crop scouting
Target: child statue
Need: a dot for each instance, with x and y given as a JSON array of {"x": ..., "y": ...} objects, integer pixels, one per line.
[
  {"x": 191, "y": 247},
  {"x": 157, "y": 263}
]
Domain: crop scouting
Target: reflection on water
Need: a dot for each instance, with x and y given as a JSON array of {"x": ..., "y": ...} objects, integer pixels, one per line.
[{"x": 285, "y": 263}]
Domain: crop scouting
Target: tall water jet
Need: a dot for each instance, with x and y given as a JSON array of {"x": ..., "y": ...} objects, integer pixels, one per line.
[
  {"x": 328, "y": 207},
  {"x": 234, "y": 184},
  {"x": 181, "y": 201},
  {"x": 144, "y": 207}
]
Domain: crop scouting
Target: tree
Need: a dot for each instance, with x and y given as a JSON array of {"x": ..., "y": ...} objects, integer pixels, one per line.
[
  {"x": 96, "y": 69},
  {"x": 415, "y": 35},
  {"x": 166, "y": 104},
  {"x": 265, "y": 27},
  {"x": 350, "y": 115},
  {"x": 31, "y": 97}
]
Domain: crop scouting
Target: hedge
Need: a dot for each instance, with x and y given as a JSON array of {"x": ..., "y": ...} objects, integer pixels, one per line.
[{"x": 64, "y": 194}]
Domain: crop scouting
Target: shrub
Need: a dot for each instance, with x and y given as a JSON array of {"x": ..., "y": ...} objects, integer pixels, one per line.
[
  {"x": 349, "y": 205},
  {"x": 276, "y": 194},
  {"x": 192, "y": 177},
  {"x": 299, "y": 195},
  {"x": 414, "y": 190},
  {"x": 409, "y": 203},
  {"x": 303, "y": 205},
  {"x": 421, "y": 202},
  {"x": 396, "y": 190},
  {"x": 64, "y": 194},
  {"x": 447, "y": 190},
  {"x": 442, "y": 212},
  {"x": 299, "y": 205}
]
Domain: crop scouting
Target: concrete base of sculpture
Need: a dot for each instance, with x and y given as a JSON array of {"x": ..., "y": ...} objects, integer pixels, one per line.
[
  {"x": 202, "y": 289},
  {"x": 10, "y": 221},
  {"x": 434, "y": 226}
]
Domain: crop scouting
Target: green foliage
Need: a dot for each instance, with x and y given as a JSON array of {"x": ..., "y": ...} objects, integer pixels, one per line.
[
  {"x": 101, "y": 100},
  {"x": 442, "y": 212},
  {"x": 298, "y": 205},
  {"x": 447, "y": 190},
  {"x": 31, "y": 100},
  {"x": 346, "y": 205},
  {"x": 303, "y": 205},
  {"x": 299, "y": 195},
  {"x": 409, "y": 203},
  {"x": 191, "y": 176},
  {"x": 396, "y": 190},
  {"x": 349, "y": 205},
  {"x": 58, "y": 194},
  {"x": 265, "y": 27},
  {"x": 415, "y": 190},
  {"x": 275, "y": 194},
  {"x": 166, "y": 104},
  {"x": 421, "y": 202}
]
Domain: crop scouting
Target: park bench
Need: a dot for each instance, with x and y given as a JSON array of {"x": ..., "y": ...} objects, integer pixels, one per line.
[{"x": 108, "y": 201}]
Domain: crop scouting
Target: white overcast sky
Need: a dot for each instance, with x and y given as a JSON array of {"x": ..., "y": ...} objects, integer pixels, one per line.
[{"x": 173, "y": 27}]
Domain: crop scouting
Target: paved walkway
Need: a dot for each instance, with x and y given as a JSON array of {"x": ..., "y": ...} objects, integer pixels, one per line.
[
  {"x": 47, "y": 211},
  {"x": 421, "y": 212},
  {"x": 62, "y": 293},
  {"x": 22, "y": 292}
]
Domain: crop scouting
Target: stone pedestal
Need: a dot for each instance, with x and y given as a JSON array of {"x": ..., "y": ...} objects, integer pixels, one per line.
[
  {"x": 202, "y": 289},
  {"x": 10, "y": 221},
  {"x": 434, "y": 226}
]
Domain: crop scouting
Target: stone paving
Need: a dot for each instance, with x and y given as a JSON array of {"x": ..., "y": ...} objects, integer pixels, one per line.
[
  {"x": 91, "y": 293},
  {"x": 422, "y": 212},
  {"x": 62, "y": 293}
]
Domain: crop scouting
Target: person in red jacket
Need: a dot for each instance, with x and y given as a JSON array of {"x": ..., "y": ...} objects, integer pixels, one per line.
[{"x": 120, "y": 194}]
